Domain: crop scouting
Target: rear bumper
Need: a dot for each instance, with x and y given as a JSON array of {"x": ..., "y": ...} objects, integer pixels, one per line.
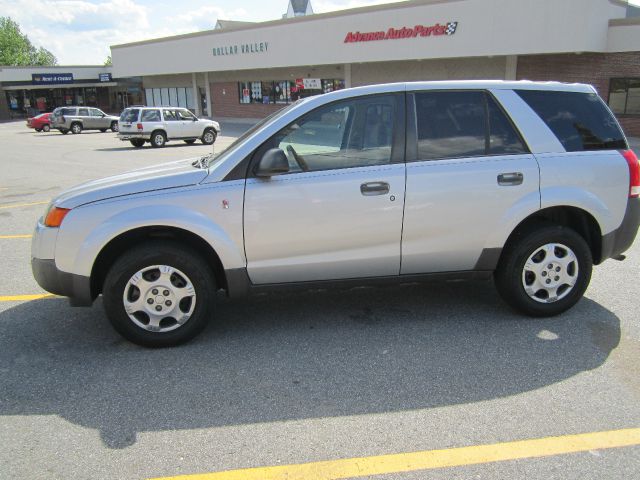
[
  {"x": 125, "y": 137},
  {"x": 76, "y": 287},
  {"x": 618, "y": 241}
]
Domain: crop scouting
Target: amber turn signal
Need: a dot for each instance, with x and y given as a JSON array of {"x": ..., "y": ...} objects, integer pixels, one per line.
[{"x": 55, "y": 216}]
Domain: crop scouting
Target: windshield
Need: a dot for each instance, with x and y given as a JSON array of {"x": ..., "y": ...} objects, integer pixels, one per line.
[{"x": 214, "y": 158}]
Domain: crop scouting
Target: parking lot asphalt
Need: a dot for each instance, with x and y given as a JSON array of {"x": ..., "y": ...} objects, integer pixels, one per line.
[{"x": 289, "y": 378}]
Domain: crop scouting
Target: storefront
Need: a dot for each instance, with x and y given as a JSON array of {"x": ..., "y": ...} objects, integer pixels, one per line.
[{"x": 32, "y": 90}]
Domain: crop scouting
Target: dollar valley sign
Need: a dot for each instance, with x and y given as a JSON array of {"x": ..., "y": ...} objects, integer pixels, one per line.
[{"x": 448, "y": 28}]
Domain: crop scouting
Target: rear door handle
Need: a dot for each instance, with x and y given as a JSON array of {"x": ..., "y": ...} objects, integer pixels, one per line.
[
  {"x": 374, "y": 188},
  {"x": 510, "y": 179}
]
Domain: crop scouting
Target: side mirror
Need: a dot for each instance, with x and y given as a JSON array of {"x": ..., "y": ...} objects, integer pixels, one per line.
[
  {"x": 194, "y": 119},
  {"x": 273, "y": 162}
]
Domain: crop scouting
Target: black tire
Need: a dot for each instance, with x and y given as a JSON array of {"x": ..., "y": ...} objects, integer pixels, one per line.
[
  {"x": 191, "y": 141},
  {"x": 158, "y": 139},
  {"x": 38, "y": 129},
  {"x": 76, "y": 128},
  {"x": 209, "y": 136},
  {"x": 64, "y": 132},
  {"x": 102, "y": 130},
  {"x": 137, "y": 142},
  {"x": 46, "y": 128},
  {"x": 510, "y": 276},
  {"x": 148, "y": 255},
  {"x": 114, "y": 126}
]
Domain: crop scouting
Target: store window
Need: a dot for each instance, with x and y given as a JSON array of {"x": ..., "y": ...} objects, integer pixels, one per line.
[
  {"x": 624, "y": 96},
  {"x": 169, "y": 97},
  {"x": 285, "y": 91}
]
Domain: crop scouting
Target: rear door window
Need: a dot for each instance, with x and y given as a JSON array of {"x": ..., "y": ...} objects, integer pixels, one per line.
[
  {"x": 170, "y": 116},
  {"x": 580, "y": 121},
  {"x": 450, "y": 124},
  {"x": 458, "y": 124},
  {"x": 83, "y": 112}
]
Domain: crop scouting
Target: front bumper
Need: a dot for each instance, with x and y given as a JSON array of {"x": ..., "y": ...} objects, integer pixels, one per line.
[
  {"x": 76, "y": 287},
  {"x": 618, "y": 241}
]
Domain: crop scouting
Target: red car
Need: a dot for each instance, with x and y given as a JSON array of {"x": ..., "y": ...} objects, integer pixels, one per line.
[{"x": 40, "y": 123}]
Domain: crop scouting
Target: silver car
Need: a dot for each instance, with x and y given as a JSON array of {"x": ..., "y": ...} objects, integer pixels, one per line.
[
  {"x": 77, "y": 119},
  {"x": 532, "y": 183}
]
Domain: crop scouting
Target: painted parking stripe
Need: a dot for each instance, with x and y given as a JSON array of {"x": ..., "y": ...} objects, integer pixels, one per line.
[
  {"x": 17, "y": 205},
  {"x": 15, "y": 236},
  {"x": 24, "y": 298},
  {"x": 429, "y": 459}
]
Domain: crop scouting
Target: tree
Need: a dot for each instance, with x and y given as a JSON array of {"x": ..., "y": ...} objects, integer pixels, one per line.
[
  {"x": 17, "y": 50},
  {"x": 108, "y": 62}
]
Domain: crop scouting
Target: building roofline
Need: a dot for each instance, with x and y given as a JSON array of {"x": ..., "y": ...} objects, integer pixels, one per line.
[
  {"x": 284, "y": 21},
  {"x": 616, "y": 22},
  {"x": 29, "y": 67}
]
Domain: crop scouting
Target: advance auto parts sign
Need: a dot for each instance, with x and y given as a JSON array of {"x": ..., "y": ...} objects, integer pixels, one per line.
[{"x": 448, "y": 28}]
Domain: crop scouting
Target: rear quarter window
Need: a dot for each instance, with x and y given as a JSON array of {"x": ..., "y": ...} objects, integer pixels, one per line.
[
  {"x": 129, "y": 115},
  {"x": 580, "y": 121}
]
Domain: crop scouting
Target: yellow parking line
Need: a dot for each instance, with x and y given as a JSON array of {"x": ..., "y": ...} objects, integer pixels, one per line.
[
  {"x": 429, "y": 459},
  {"x": 16, "y": 205},
  {"x": 16, "y": 236},
  {"x": 23, "y": 298}
]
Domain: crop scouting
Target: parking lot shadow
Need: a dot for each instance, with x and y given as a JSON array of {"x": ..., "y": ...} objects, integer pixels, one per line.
[{"x": 293, "y": 356}]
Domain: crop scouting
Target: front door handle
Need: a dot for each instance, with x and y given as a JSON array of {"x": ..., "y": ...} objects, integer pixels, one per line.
[
  {"x": 510, "y": 179},
  {"x": 374, "y": 188}
]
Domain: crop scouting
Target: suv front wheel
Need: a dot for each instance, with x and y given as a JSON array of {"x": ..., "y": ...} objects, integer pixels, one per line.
[
  {"x": 159, "y": 294},
  {"x": 544, "y": 271}
]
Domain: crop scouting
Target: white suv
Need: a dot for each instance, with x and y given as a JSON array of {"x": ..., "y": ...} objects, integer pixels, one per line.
[{"x": 158, "y": 125}]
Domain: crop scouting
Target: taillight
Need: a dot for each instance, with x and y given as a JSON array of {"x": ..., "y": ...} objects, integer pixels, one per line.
[
  {"x": 139, "y": 126},
  {"x": 62, "y": 118},
  {"x": 634, "y": 173}
]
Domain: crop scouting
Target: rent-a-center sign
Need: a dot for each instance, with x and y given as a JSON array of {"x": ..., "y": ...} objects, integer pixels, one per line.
[{"x": 448, "y": 28}]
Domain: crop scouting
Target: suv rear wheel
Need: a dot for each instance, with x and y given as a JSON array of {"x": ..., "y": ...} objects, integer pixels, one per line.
[
  {"x": 76, "y": 128},
  {"x": 158, "y": 294},
  {"x": 209, "y": 136},
  {"x": 544, "y": 271},
  {"x": 158, "y": 139},
  {"x": 137, "y": 142}
]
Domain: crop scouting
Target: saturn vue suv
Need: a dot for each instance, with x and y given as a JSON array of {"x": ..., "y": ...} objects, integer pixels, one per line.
[{"x": 531, "y": 183}]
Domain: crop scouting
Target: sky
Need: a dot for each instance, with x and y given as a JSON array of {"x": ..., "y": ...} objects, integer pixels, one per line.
[{"x": 79, "y": 32}]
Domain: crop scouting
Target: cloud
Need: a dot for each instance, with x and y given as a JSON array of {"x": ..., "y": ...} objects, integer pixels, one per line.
[
  {"x": 323, "y": 6},
  {"x": 77, "y": 31},
  {"x": 205, "y": 18}
]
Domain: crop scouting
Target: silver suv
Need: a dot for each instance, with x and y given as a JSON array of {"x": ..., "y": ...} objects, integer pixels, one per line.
[
  {"x": 532, "y": 183},
  {"x": 158, "y": 125},
  {"x": 77, "y": 119}
]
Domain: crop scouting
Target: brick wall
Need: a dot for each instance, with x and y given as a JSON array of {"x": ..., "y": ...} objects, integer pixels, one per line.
[
  {"x": 225, "y": 103},
  {"x": 593, "y": 68}
]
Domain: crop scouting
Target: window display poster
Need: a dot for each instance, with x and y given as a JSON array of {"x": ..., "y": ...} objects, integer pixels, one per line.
[
  {"x": 312, "y": 84},
  {"x": 41, "y": 104},
  {"x": 14, "y": 103}
]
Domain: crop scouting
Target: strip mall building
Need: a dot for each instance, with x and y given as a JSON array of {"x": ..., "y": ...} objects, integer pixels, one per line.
[{"x": 251, "y": 70}]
